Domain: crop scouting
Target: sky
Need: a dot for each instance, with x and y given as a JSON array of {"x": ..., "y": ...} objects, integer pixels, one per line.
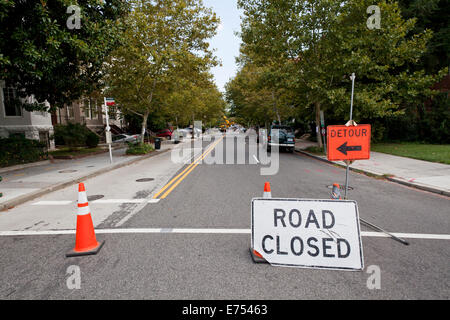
[{"x": 225, "y": 42}]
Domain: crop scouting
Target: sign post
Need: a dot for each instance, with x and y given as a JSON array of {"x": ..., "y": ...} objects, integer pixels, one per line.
[
  {"x": 108, "y": 102},
  {"x": 353, "y": 77},
  {"x": 322, "y": 124},
  {"x": 323, "y": 234}
]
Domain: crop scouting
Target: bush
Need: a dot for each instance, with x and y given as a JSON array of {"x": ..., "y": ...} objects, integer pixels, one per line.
[
  {"x": 18, "y": 150},
  {"x": 73, "y": 135},
  {"x": 139, "y": 148},
  {"x": 92, "y": 140}
]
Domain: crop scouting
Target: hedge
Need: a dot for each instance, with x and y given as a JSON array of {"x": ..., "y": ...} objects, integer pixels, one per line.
[{"x": 18, "y": 150}]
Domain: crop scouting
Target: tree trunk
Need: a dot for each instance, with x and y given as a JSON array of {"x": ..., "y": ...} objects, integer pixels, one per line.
[
  {"x": 319, "y": 135},
  {"x": 144, "y": 126},
  {"x": 275, "y": 108}
]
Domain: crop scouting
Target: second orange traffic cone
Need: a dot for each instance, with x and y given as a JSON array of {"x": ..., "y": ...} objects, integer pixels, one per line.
[
  {"x": 85, "y": 240},
  {"x": 267, "y": 192},
  {"x": 256, "y": 256}
]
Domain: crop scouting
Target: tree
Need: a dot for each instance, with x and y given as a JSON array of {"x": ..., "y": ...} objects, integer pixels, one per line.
[
  {"x": 321, "y": 42},
  {"x": 164, "y": 41},
  {"x": 433, "y": 15},
  {"x": 42, "y": 57}
]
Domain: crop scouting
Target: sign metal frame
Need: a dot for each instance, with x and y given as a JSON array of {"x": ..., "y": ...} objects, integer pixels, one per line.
[{"x": 361, "y": 255}]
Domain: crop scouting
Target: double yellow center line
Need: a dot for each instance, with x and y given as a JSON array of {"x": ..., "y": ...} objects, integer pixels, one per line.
[{"x": 172, "y": 184}]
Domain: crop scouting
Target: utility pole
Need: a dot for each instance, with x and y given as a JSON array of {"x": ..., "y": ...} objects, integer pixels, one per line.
[{"x": 353, "y": 77}]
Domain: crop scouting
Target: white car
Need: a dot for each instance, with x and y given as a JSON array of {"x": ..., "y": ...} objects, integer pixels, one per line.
[{"x": 121, "y": 138}]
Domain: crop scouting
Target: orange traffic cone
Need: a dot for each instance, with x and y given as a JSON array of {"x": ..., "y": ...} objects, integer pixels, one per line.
[
  {"x": 336, "y": 192},
  {"x": 267, "y": 192},
  {"x": 256, "y": 256},
  {"x": 85, "y": 241}
]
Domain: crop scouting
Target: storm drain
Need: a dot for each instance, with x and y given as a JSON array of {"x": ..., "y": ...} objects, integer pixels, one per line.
[
  {"x": 95, "y": 197},
  {"x": 67, "y": 171},
  {"x": 145, "y": 180},
  {"x": 342, "y": 187}
]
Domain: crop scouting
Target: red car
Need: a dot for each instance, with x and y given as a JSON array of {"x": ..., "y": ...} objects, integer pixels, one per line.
[{"x": 166, "y": 133}]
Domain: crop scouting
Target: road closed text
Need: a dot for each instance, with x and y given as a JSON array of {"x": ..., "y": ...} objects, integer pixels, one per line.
[
  {"x": 307, "y": 233},
  {"x": 329, "y": 246}
]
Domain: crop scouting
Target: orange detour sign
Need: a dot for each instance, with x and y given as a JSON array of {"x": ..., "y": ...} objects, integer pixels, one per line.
[{"x": 348, "y": 143}]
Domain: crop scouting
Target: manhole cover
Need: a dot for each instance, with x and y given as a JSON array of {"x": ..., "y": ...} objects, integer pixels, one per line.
[
  {"x": 67, "y": 171},
  {"x": 145, "y": 180},
  {"x": 342, "y": 187},
  {"x": 95, "y": 197}
]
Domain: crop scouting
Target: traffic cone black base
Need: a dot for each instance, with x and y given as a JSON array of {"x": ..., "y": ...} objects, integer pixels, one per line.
[
  {"x": 73, "y": 253},
  {"x": 256, "y": 258}
]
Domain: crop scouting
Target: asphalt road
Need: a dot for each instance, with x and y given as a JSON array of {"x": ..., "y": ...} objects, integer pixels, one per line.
[{"x": 171, "y": 265}]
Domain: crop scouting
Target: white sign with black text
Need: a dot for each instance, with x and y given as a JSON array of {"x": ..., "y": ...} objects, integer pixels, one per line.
[{"x": 306, "y": 233}]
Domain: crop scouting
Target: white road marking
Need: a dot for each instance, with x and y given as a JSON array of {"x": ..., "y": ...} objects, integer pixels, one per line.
[
  {"x": 51, "y": 203},
  {"x": 206, "y": 231},
  {"x": 102, "y": 201}
]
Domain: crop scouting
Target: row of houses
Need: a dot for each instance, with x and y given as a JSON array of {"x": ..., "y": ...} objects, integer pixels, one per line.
[{"x": 39, "y": 125}]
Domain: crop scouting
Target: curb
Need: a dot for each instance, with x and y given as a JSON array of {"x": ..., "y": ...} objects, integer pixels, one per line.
[
  {"x": 19, "y": 200},
  {"x": 392, "y": 179},
  {"x": 24, "y": 166}
]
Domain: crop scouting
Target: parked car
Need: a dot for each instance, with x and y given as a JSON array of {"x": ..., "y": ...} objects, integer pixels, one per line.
[
  {"x": 121, "y": 138},
  {"x": 285, "y": 135},
  {"x": 166, "y": 133},
  {"x": 196, "y": 130}
]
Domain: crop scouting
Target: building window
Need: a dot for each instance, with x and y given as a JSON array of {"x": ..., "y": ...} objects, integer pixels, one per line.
[
  {"x": 44, "y": 138},
  {"x": 86, "y": 105},
  {"x": 20, "y": 135},
  {"x": 90, "y": 108},
  {"x": 69, "y": 112},
  {"x": 94, "y": 109},
  {"x": 11, "y": 103}
]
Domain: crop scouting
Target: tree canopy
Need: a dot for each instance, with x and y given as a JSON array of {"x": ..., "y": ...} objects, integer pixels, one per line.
[
  {"x": 42, "y": 57},
  {"x": 311, "y": 47},
  {"x": 164, "y": 62}
]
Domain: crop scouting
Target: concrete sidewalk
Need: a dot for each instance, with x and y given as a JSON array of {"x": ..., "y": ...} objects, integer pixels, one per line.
[
  {"x": 29, "y": 182},
  {"x": 429, "y": 176}
]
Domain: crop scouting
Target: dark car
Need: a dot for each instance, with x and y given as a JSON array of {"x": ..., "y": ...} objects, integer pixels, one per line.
[
  {"x": 284, "y": 135},
  {"x": 166, "y": 133}
]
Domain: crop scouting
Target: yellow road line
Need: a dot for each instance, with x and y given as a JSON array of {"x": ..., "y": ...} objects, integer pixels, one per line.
[
  {"x": 210, "y": 148},
  {"x": 174, "y": 179},
  {"x": 190, "y": 170}
]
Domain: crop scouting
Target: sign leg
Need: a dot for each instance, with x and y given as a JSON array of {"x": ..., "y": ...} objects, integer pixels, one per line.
[{"x": 346, "y": 181}]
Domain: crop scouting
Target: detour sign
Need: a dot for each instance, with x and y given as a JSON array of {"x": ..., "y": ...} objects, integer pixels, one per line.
[
  {"x": 321, "y": 234},
  {"x": 348, "y": 143}
]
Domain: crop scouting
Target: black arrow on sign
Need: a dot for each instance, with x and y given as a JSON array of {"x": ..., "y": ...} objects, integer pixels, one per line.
[{"x": 344, "y": 148}]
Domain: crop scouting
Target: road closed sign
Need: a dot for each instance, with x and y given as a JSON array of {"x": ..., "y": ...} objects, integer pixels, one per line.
[
  {"x": 322, "y": 234},
  {"x": 348, "y": 143}
]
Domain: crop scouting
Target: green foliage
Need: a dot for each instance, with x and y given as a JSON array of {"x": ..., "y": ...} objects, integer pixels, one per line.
[
  {"x": 75, "y": 135},
  {"x": 42, "y": 56},
  {"x": 420, "y": 151},
  {"x": 165, "y": 48},
  {"x": 92, "y": 140},
  {"x": 139, "y": 149},
  {"x": 18, "y": 150},
  {"x": 309, "y": 48},
  {"x": 433, "y": 15}
]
